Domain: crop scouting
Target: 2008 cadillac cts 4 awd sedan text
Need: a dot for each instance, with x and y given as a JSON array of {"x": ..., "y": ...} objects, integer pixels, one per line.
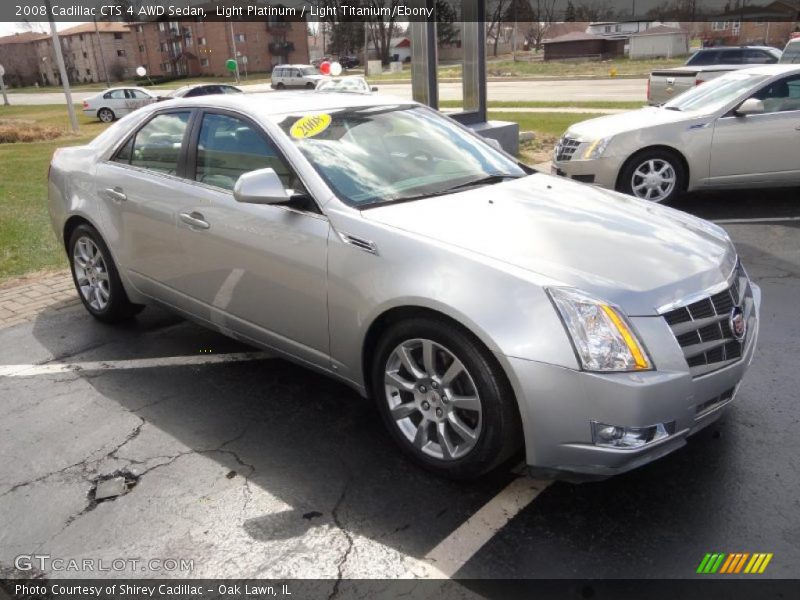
[{"x": 484, "y": 306}]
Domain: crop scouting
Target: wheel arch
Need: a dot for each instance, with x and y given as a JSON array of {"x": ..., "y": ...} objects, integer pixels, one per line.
[
  {"x": 662, "y": 147},
  {"x": 71, "y": 224}
]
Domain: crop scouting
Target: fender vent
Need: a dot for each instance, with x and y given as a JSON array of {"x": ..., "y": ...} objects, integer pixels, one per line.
[{"x": 360, "y": 243}]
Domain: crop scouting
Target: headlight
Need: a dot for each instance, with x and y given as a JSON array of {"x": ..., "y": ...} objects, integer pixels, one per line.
[
  {"x": 602, "y": 336},
  {"x": 596, "y": 148}
]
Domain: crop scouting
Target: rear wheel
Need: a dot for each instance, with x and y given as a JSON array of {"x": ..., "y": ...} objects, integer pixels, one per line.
[
  {"x": 96, "y": 277},
  {"x": 653, "y": 175},
  {"x": 310, "y": 86},
  {"x": 106, "y": 115},
  {"x": 281, "y": 86},
  {"x": 444, "y": 399}
]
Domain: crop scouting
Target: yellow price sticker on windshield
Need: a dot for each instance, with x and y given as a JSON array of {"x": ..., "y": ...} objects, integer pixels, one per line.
[{"x": 310, "y": 126}]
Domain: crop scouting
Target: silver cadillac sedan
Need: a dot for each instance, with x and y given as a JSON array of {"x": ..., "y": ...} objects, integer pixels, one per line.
[
  {"x": 485, "y": 307},
  {"x": 736, "y": 131}
]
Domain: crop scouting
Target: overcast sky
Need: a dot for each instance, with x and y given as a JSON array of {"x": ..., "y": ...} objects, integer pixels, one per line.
[{"x": 12, "y": 28}]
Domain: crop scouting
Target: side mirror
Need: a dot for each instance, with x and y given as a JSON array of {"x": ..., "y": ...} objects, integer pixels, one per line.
[
  {"x": 374, "y": 88},
  {"x": 751, "y": 106},
  {"x": 260, "y": 187}
]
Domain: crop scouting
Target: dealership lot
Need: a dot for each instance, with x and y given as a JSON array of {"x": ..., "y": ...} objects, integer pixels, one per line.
[{"x": 258, "y": 468}]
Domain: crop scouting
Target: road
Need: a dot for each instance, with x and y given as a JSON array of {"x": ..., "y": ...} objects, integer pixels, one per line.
[
  {"x": 632, "y": 90},
  {"x": 263, "y": 469}
]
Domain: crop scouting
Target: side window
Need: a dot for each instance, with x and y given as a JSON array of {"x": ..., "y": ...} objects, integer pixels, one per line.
[
  {"x": 781, "y": 96},
  {"x": 758, "y": 57},
  {"x": 115, "y": 95},
  {"x": 731, "y": 57},
  {"x": 701, "y": 58},
  {"x": 229, "y": 147},
  {"x": 125, "y": 153},
  {"x": 157, "y": 145},
  {"x": 138, "y": 94},
  {"x": 198, "y": 91}
]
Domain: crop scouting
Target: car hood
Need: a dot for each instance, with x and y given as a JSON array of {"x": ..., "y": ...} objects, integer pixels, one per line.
[
  {"x": 635, "y": 120},
  {"x": 635, "y": 254}
]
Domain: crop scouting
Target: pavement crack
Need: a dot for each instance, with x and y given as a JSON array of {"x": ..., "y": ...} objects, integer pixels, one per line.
[{"x": 350, "y": 542}]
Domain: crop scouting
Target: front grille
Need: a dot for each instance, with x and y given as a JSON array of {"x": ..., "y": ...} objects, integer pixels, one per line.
[
  {"x": 566, "y": 148},
  {"x": 716, "y": 401},
  {"x": 702, "y": 328}
]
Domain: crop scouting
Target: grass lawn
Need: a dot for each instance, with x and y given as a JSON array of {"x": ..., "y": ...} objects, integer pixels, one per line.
[
  {"x": 588, "y": 104},
  {"x": 171, "y": 85},
  {"x": 560, "y": 68},
  {"x": 27, "y": 242}
]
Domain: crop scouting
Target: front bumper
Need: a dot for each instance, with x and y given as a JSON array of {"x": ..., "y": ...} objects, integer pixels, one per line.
[
  {"x": 602, "y": 171},
  {"x": 559, "y": 404}
]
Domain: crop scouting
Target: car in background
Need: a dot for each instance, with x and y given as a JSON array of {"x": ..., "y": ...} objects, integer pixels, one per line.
[
  {"x": 354, "y": 84},
  {"x": 740, "y": 130},
  {"x": 349, "y": 62},
  {"x": 202, "y": 89},
  {"x": 791, "y": 53},
  {"x": 704, "y": 65},
  {"x": 295, "y": 76},
  {"x": 117, "y": 102},
  {"x": 483, "y": 306}
]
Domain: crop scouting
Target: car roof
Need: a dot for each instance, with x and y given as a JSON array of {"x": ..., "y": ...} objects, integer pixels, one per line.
[
  {"x": 266, "y": 104},
  {"x": 714, "y": 48}
]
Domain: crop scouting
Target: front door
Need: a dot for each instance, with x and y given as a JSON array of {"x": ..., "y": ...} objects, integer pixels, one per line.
[
  {"x": 760, "y": 149},
  {"x": 260, "y": 270}
]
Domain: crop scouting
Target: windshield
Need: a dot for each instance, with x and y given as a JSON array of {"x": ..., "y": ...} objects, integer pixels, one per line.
[
  {"x": 379, "y": 154},
  {"x": 791, "y": 56},
  {"x": 716, "y": 93}
]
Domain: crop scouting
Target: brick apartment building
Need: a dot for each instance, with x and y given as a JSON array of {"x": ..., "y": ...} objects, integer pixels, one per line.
[
  {"x": 104, "y": 53},
  {"x": 198, "y": 47},
  {"x": 769, "y": 25}
]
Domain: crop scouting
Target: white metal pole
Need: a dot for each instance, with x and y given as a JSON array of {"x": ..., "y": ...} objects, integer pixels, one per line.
[
  {"x": 235, "y": 55},
  {"x": 62, "y": 70},
  {"x": 3, "y": 86}
]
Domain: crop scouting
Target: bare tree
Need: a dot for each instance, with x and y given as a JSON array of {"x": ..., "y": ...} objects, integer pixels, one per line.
[
  {"x": 495, "y": 10},
  {"x": 381, "y": 31}
]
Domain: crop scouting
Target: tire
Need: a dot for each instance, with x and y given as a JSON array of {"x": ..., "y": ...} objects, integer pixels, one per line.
[
  {"x": 281, "y": 86},
  {"x": 310, "y": 86},
  {"x": 106, "y": 115},
  {"x": 669, "y": 176},
  {"x": 428, "y": 423},
  {"x": 96, "y": 277}
]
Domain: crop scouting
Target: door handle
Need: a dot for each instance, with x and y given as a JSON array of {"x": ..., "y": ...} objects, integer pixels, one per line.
[
  {"x": 116, "y": 193},
  {"x": 195, "y": 219}
]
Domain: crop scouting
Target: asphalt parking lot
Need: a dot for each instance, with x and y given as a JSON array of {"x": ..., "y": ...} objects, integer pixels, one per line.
[{"x": 258, "y": 468}]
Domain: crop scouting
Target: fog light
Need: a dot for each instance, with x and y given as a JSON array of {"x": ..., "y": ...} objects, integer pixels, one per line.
[{"x": 613, "y": 436}]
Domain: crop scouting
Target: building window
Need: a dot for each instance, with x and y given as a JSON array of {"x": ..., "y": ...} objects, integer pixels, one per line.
[
  {"x": 161, "y": 26},
  {"x": 85, "y": 55},
  {"x": 164, "y": 46},
  {"x": 719, "y": 25},
  {"x": 120, "y": 52},
  {"x": 239, "y": 37},
  {"x": 204, "y": 62},
  {"x": 80, "y": 37},
  {"x": 736, "y": 26},
  {"x": 139, "y": 29},
  {"x": 141, "y": 47},
  {"x": 202, "y": 41},
  {"x": 88, "y": 71}
]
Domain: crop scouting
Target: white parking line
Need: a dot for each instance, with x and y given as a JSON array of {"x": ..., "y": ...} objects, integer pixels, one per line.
[
  {"x": 139, "y": 363},
  {"x": 456, "y": 549},
  {"x": 755, "y": 220}
]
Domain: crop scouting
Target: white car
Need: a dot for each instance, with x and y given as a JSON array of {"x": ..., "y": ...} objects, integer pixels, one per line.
[
  {"x": 353, "y": 84},
  {"x": 117, "y": 102},
  {"x": 296, "y": 76}
]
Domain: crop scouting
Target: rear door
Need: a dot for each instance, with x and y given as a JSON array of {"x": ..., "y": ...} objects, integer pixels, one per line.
[
  {"x": 760, "y": 149},
  {"x": 138, "y": 188}
]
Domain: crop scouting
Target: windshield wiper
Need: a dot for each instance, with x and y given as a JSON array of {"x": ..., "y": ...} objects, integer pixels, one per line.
[
  {"x": 488, "y": 180},
  {"x": 672, "y": 108}
]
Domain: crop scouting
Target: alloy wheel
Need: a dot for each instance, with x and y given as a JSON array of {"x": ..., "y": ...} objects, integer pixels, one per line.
[
  {"x": 106, "y": 116},
  {"x": 433, "y": 399},
  {"x": 653, "y": 180},
  {"x": 91, "y": 273}
]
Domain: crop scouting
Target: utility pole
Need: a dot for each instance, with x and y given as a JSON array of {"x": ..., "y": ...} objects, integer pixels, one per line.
[
  {"x": 235, "y": 54},
  {"x": 61, "y": 68},
  {"x": 366, "y": 47},
  {"x": 102, "y": 56},
  {"x": 3, "y": 86}
]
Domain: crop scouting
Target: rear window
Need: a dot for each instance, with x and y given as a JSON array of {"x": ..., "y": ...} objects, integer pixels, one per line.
[{"x": 731, "y": 57}]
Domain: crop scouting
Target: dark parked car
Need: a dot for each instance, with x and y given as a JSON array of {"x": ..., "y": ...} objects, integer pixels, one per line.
[
  {"x": 349, "y": 62},
  {"x": 203, "y": 89},
  {"x": 735, "y": 55}
]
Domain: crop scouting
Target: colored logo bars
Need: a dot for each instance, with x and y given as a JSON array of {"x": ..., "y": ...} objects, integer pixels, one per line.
[{"x": 739, "y": 562}]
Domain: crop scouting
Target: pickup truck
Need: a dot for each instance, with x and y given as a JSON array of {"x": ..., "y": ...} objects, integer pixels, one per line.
[{"x": 704, "y": 65}]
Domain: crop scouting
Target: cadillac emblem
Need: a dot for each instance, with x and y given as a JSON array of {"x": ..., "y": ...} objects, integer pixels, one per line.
[{"x": 738, "y": 323}]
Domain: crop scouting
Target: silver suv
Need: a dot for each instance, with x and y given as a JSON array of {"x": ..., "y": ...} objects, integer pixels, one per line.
[
  {"x": 295, "y": 76},
  {"x": 791, "y": 54}
]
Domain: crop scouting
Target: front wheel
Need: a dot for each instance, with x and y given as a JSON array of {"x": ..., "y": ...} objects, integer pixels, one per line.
[
  {"x": 106, "y": 115},
  {"x": 96, "y": 277},
  {"x": 444, "y": 399},
  {"x": 653, "y": 175}
]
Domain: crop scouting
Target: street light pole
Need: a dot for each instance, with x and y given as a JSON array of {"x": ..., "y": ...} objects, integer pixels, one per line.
[
  {"x": 61, "y": 68},
  {"x": 102, "y": 56},
  {"x": 3, "y": 86},
  {"x": 235, "y": 55}
]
